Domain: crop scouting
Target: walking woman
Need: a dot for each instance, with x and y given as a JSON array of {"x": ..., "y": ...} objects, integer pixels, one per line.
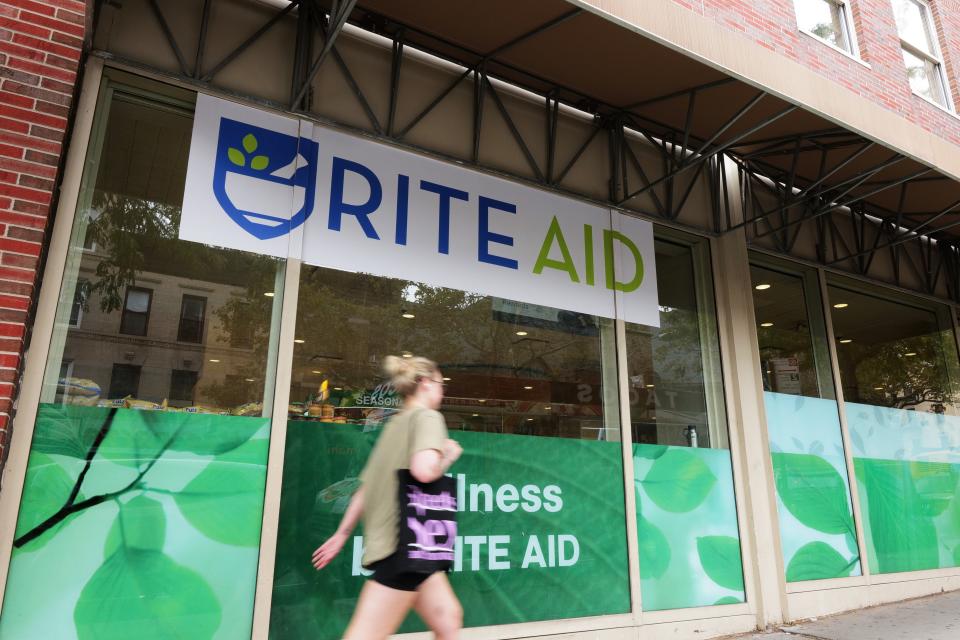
[{"x": 414, "y": 439}]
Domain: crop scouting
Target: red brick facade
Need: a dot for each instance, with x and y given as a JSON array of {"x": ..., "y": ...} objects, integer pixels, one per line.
[
  {"x": 40, "y": 48},
  {"x": 773, "y": 24}
]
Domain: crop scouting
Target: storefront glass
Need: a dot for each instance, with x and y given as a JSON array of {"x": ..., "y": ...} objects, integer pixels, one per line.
[
  {"x": 141, "y": 510},
  {"x": 898, "y": 363},
  {"x": 686, "y": 509},
  {"x": 817, "y": 531},
  {"x": 532, "y": 398}
]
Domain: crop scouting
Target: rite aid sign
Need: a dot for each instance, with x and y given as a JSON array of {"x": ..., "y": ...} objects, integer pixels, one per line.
[{"x": 280, "y": 186}]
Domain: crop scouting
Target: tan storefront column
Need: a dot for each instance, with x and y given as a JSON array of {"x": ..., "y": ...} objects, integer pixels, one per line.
[{"x": 748, "y": 432}]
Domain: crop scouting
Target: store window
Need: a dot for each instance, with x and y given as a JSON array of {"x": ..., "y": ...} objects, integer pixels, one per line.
[
  {"x": 899, "y": 368},
  {"x": 828, "y": 20},
  {"x": 817, "y": 531},
  {"x": 686, "y": 509},
  {"x": 136, "y": 311},
  {"x": 921, "y": 51},
  {"x": 193, "y": 311},
  {"x": 531, "y": 396},
  {"x": 147, "y": 466}
]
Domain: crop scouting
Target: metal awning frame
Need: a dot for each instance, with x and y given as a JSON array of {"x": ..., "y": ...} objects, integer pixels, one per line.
[{"x": 802, "y": 202}]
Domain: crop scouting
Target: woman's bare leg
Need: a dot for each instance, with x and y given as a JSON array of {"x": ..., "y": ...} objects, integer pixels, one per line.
[
  {"x": 380, "y": 610},
  {"x": 437, "y": 604}
]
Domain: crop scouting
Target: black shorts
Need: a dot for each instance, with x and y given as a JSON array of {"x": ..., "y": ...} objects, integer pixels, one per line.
[{"x": 387, "y": 573}]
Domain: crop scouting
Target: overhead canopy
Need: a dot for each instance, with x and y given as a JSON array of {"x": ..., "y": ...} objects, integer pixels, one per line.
[{"x": 584, "y": 59}]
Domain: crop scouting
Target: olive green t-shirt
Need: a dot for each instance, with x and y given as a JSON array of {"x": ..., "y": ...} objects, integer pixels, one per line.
[{"x": 404, "y": 434}]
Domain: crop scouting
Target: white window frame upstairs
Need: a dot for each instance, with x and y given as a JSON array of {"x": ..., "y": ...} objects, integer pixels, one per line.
[
  {"x": 935, "y": 58},
  {"x": 846, "y": 26}
]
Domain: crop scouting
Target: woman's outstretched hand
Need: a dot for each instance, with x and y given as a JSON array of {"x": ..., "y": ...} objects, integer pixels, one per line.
[{"x": 328, "y": 550}]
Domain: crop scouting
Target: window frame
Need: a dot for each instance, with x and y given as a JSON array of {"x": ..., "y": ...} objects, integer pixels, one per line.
[
  {"x": 846, "y": 26},
  {"x": 203, "y": 318},
  {"x": 146, "y": 314},
  {"x": 935, "y": 57}
]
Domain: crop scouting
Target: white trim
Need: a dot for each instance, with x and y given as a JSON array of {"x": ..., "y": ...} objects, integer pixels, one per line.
[
  {"x": 269, "y": 530},
  {"x": 935, "y": 57},
  {"x": 847, "y": 26},
  {"x": 14, "y": 473}
]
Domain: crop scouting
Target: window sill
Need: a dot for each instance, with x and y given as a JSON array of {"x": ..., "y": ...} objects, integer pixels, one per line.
[
  {"x": 947, "y": 110},
  {"x": 843, "y": 52}
]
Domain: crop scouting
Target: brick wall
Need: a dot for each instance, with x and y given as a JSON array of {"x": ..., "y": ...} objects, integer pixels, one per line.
[
  {"x": 882, "y": 80},
  {"x": 40, "y": 48}
]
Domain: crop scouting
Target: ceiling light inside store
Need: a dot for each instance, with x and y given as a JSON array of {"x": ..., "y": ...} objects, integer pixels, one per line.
[
  {"x": 521, "y": 333},
  {"x": 214, "y": 360},
  {"x": 762, "y": 287},
  {"x": 911, "y": 354},
  {"x": 446, "y": 379},
  {"x": 407, "y": 354},
  {"x": 476, "y": 415},
  {"x": 315, "y": 371},
  {"x": 529, "y": 419},
  {"x": 841, "y": 305},
  {"x": 846, "y": 340},
  {"x": 407, "y": 315},
  {"x": 269, "y": 294},
  {"x": 338, "y": 388},
  {"x": 249, "y": 379},
  {"x": 481, "y": 400},
  {"x": 528, "y": 388},
  {"x": 649, "y": 386},
  {"x": 299, "y": 340},
  {"x": 548, "y": 408},
  {"x": 766, "y": 324},
  {"x": 878, "y": 388}
]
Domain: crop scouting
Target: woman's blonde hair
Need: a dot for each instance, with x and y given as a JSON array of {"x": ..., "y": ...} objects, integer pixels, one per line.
[{"x": 405, "y": 373}]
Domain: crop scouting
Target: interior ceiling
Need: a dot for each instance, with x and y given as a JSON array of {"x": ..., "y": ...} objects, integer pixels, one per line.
[{"x": 593, "y": 58}]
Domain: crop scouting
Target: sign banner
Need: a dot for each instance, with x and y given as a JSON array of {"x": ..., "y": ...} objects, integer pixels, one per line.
[
  {"x": 271, "y": 184},
  {"x": 541, "y": 530}
]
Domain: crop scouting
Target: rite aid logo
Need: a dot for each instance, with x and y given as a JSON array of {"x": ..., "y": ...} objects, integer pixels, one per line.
[{"x": 264, "y": 180}]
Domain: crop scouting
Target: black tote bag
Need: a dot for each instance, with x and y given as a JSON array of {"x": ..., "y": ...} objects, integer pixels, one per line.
[{"x": 428, "y": 523}]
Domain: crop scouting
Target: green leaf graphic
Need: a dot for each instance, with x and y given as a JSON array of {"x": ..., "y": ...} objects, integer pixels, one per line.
[
  {"x": 813, "y": 491},
  {"x": 936, "y": 484},
  {"x": 141, "y": 524},
  {"x": 728, "y": 600},
  {"x": 902, "y": 533},
  {"x": 654, "y": 549},
  {"x": 720, "y": 558},
  {"x": 137, "y": 593},
  {"x": 249, "y": 143},
  {"x": 67, "y": 430},
  {"x": 225, "y": 501},
  {"x": 236, "y": 157},
  {"x": 259, "y": 162},
  {"x": 649, "y": 451},
  {"x": 818, "y": 561},
  {"x": 203, "y": 434},
  {"x": 46, "y": 489},
  {"x": 678, "y": 481}
]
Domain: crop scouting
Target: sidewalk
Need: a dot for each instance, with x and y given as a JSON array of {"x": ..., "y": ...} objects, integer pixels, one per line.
[{"x": 934, "y": 617}]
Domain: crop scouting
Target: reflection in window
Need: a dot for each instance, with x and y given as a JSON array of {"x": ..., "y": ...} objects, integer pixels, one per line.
[
  {"x": 510, "y": 367},
  {"x": 173, "y": 350},
  {"x": 193, "y": 309},
  {"x": 136, "y": 311},
  {"x": 125, "y": 381},
  {"x": 829, "y": 20},
  {"x": 791, "y": 336},
  {"x": 893, "y": 354},
  {"x": 79, "y": 301},
  {"x": 921, "y": 53},
  {"x": 672, "y": 402}
]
